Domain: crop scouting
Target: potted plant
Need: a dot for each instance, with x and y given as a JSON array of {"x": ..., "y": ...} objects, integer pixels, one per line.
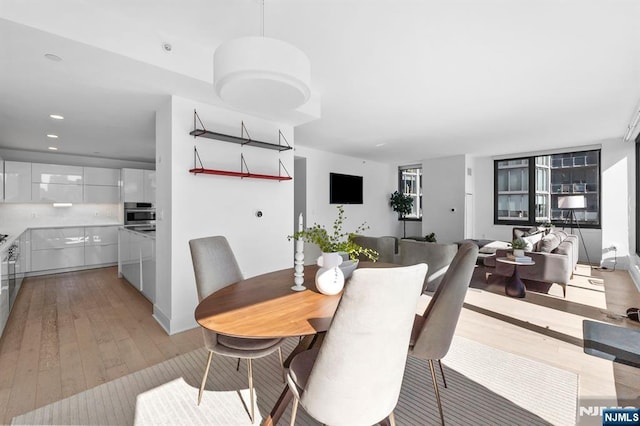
[
  {"x": 401, "y": 204},
  {"x": 518, "y": 246},
  {"x": 431, "y": 238},
  {"x": 338, "y": 241}
]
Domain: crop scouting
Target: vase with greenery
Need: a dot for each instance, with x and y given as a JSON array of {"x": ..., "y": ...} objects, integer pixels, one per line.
[
  {"x": 401, "y": 204},
  {"x": 431, "y": 238},
  {"x": 338, "y": 241},
  {"x": 518, "y": 246}
]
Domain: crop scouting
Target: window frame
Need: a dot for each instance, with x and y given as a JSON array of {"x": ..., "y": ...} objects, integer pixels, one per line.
[
  {"x": 531, "y": 167},
  {"x": 400, "y": 189}
]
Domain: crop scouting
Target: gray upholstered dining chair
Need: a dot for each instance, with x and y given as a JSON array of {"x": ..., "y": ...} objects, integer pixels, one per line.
[
  {"x": 216, "y": 267},
  {"x": 433, "y": 332},
  {"x": 354, "y": 378}
]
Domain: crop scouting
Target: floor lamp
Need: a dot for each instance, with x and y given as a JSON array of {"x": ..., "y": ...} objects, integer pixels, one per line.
[{"x": 573, "y": 203}]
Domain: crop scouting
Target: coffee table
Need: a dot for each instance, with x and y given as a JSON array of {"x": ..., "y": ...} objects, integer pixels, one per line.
[{"x": 514, "y": 286}]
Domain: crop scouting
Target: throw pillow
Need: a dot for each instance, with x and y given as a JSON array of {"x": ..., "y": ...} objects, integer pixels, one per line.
[
  {"x": 493, "y": 246},
  {"x": 533, "y": 241},
  {"x": 549, "y": 243},
  {"x": 562, "y": 235}
]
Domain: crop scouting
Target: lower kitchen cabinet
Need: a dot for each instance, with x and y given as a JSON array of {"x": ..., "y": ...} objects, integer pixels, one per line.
[
  {"x": 137, "y": 261},
  {"x": 100, "y": 245},
  {"x": 57, "y": 248},
  {"x": 73, "y": 247}
]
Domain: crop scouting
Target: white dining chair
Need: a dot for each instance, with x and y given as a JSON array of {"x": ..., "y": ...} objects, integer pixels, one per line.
[{"x": 354, "y": 378}]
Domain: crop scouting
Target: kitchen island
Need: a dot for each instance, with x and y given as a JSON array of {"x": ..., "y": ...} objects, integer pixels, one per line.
[{"x": 137, "y": 259}]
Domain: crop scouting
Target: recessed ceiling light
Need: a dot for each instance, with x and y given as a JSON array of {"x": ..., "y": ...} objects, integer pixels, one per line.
[
  {"x": 52, "y": 136},
  {"x": 53, "y": 148},
  {"x": 52, "y": 57},
  {"x": 380, "y": 144},
  {"x": 56, "y": 117}
]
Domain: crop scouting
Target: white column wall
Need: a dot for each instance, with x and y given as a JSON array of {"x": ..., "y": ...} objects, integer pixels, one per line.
[
  {"x": 443, "y": 196},
  {"x": 205, "y": 205}
]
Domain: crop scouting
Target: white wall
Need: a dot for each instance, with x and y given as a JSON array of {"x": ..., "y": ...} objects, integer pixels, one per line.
[
  {"x": 443, "y": 197},
  {"x": 205, "y": 205},
  {"x": 617, "y": 212},
  {"x": 378, "y": 180}
]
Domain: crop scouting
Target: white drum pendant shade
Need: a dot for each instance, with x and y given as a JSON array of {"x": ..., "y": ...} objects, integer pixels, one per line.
[{"x": 261, "y": 73}]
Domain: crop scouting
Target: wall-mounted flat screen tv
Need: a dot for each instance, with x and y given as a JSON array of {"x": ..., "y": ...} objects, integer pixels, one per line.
[{"x": 345, "y": 189}]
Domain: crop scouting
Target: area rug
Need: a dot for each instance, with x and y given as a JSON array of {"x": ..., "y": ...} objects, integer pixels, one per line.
[
  {"x": 612, "y": 342},
  {"x": 485, "y": 386}
]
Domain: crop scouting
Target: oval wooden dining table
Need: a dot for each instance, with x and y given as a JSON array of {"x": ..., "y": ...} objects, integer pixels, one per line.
[{"x": 265, "y": 306}]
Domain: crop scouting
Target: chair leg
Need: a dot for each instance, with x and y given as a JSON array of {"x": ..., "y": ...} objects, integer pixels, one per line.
[
  {"x": 435, "y": 389},
  {"x": 250, "y": 374},
  {"x": 204, "y": 378},
  {"x": 238, "y": 365},
  {"x": 294, "y": 411},
  {"x": 392, "y": 419},
  {"x": 284, "y": 380},
  {"x": 444, "y": 380}
]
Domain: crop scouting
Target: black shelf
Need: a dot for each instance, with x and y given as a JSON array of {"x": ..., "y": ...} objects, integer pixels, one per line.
[{"x": 203, "y": 133}]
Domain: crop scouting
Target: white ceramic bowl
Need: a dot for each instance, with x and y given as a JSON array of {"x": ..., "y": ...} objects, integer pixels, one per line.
[{"x": 348, "y": 266}]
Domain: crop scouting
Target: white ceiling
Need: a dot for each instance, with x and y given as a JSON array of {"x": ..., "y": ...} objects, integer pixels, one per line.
[{"x": 424, "y": 78}]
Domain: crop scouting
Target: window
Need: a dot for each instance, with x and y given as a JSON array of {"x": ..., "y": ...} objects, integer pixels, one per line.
[
  {"x": 527, "y": 189},
  {"x": 410, "y": 183}
]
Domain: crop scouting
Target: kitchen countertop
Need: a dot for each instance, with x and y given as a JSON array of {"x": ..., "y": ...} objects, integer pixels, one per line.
[
  {"x": 148, "y": 234},
  {"x": 14, "y": 230}
]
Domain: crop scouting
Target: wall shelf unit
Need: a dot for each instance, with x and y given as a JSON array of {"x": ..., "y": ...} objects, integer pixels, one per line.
[{"x": 242, "y": 140}]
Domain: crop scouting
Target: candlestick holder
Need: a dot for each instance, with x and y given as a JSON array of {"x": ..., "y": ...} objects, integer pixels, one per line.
[{"x": 299, "y": 267}]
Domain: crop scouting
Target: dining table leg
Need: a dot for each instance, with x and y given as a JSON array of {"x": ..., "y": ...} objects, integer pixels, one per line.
[{"x": 286, "y": 396}]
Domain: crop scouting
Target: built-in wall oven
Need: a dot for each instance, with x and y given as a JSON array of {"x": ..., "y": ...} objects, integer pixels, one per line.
[{"x": 139, "y": 214}]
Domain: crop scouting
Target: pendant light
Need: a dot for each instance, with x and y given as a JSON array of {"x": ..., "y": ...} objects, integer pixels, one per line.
[{"x": 261, "y": 73}]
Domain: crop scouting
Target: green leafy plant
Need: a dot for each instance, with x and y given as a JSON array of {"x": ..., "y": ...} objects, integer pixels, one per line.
[
  {"x": 401, "y": 204},
  {"x": 338, "y": 240},
  {"x": 519, "y": 244},
  {"x": 431, "y": 238}
]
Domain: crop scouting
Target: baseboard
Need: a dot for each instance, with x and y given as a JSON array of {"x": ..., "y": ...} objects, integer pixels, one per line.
[
  {"x": 63, "y": 270},
  {"x": 634, "y": 270},
  {"x": 173, "y": 326}
]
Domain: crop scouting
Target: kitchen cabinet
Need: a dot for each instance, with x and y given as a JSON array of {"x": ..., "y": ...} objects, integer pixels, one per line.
[
  {"x": 56, "y": 192},
  {"x": 1, "y": 180},
  {"x": 57, "y": 248},
  {"x": 138, "y": 185},
  {"x": 100, "y": 245},
  {"x": 56, "y": 174},
  {"x": 56, "y": 183},
  {"x": 137, "y": 261},
  {"x": 4, "y": 289},
  {"x": 17, "y": 182},
  {"x": 101, "y": 185}
]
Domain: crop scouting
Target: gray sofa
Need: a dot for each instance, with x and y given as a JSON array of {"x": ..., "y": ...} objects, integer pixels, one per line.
[
  {"x": 555, "y": 255},
  {"x": 409, "y": 252}
]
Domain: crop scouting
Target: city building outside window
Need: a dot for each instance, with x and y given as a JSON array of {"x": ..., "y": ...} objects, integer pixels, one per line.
[
  {"x": 527, "y": 189},
  {"x": 410, "y": 183}
]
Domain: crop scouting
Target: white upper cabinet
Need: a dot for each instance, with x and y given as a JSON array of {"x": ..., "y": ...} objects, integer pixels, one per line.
[
  {"x": 139, "y": 185},
  {"x": 133, "y": 185},
  {"x": 149, "y": 177},
  {"x": 101, "y": 176},
  {"x": 1, "y": 180},
  {"x": 57, "y": 174},
  {"x": 17, "y": 184},
  {"x": 56, "y": 183},
  {"x": 101, "y": 185}
]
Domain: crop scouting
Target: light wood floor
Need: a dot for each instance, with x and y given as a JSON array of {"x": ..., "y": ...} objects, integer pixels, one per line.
[
  {"x": 70, "y": 332},
  {"x": 73, "y": 331}
]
